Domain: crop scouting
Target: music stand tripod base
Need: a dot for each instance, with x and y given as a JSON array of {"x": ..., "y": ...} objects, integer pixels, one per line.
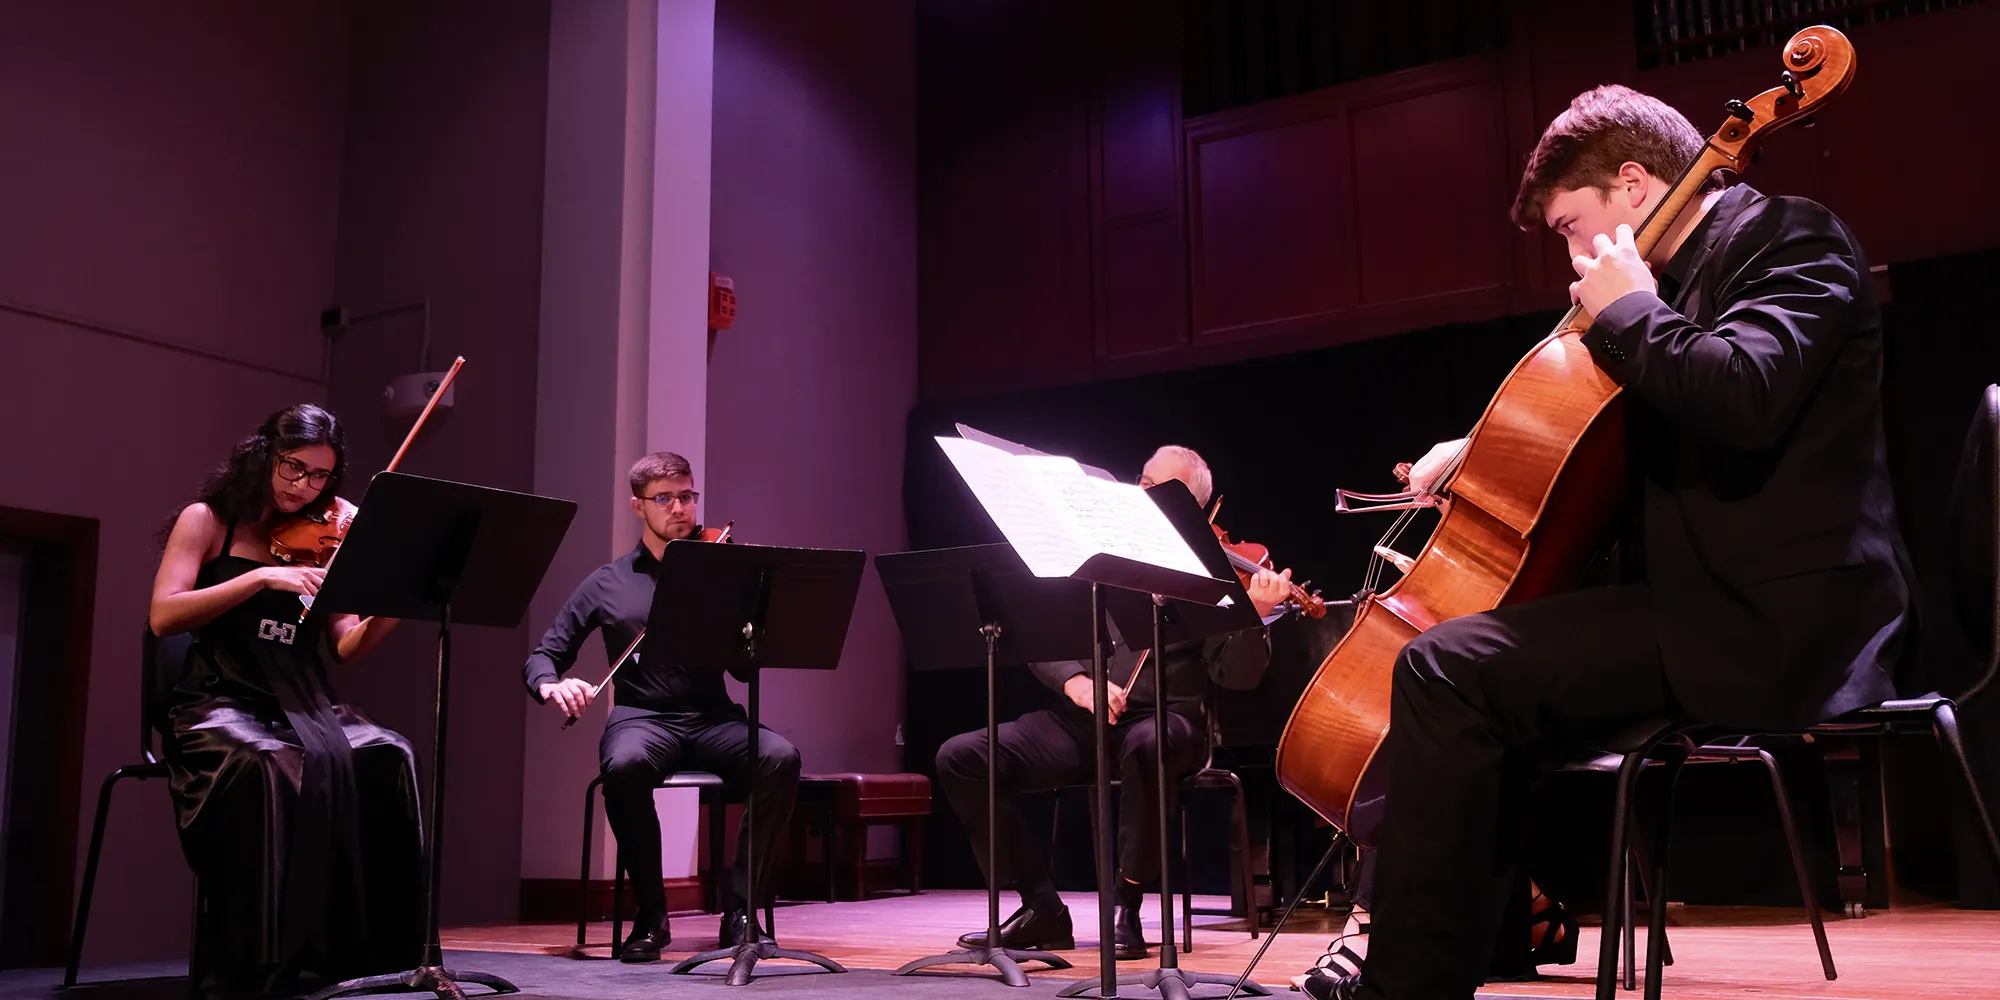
[
  {"x": 722, "y": 603},
  {"x": 424, "y": 979},
  {"x": 745, "y": 957},
  {"x": 432, "y": 550}
]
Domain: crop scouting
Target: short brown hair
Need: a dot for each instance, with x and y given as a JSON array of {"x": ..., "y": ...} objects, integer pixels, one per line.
[
  {"x": 658, "y": 465},
  {"x": 1603, "y": 129}
]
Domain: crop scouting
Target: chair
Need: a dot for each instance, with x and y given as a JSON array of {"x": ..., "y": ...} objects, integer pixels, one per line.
[
  {"x": 162, "y": 665},
  {"x": 1208, "y": 776},
  {"x": 713, "y": 796},
  {"x": 1974, "y": 590}
]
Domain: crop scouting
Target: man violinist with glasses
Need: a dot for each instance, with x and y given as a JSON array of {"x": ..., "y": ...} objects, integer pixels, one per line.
[{"x": 668, "y": 716}]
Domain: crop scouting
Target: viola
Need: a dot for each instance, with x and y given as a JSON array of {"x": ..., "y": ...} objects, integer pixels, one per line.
[
  {"x": 1526, "y": 501},
  {"x": 700, "y": 535},
  {"x": 314, "y": 539},
  {"x": 1248, "y": 558}
]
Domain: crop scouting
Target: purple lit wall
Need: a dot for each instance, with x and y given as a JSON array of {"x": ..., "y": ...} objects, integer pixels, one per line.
[
  {"x": 169, "y": 177},
  {"x": 815, "y": 219},
  {"x": 441, "y": 197}
]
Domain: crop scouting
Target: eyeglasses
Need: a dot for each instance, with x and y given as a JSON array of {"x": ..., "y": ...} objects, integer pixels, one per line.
[
  {"x": 294, "y": 470},
  {"x": 666, "y": 501}
]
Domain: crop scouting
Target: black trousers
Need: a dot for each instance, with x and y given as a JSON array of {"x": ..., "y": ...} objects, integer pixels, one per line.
[
  {"x": 1045, "y": 750},
  {"x": 1474, "y": 699},
  {"x": 637, "y": 752}
]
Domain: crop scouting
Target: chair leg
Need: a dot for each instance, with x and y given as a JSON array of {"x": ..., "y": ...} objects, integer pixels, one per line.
[
  {"x": 1614, "y": 881},
  {"x": 718, "y": 818},
  {"x": 1186, "y": 883},
  {"x": 1671, "y": 757},
  {"x": 1945, "y": 723},
  {"x": 1055, "y": 835},
  {"x": 913, "y": 852},
  {"x": 196, "y": 968},
  {"x": 854, "y": 858},
  {"x": 1245, "y": 865},
  {"x": 1798, "y": 862},
  {"x": 829, "y": 835},
  {"x": 1629, "y": 942},
  {"x": 1643, "y": 865},
  {"x": 82, "y": 922},
  {"x": 618, "y": 902},
  {"x": 583, "y": 875}
]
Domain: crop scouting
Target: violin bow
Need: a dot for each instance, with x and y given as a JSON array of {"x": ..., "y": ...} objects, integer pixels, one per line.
[
  {"x": 633, "y": 648},
  {"x": 436, "y": 394}
]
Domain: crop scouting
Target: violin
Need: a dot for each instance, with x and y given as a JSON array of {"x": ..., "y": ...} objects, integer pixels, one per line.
[
  {"x": 314, "y": 539},
  {"x": 700, "y": 535},
  {"x": 1248, "y": 558},
  {"x": 310, "y": 540}
]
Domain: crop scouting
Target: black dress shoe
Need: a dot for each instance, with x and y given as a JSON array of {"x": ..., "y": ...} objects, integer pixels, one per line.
[
  {"x": 1029, "y": 930},
  {"x": 649, "y": 937},
  {"x": 1128, "y": 938},
  {"x": 734, "y": 923},
  {"x": 1322, "y": 986}
]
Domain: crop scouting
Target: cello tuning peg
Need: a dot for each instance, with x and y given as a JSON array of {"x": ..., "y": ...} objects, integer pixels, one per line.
[
  {"x": 1740, "y": 110},
  {"x": 1792, "y": 85}
]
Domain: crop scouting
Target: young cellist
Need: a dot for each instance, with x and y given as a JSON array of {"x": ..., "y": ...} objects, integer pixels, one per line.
[{"x": 1768, "y": 586}]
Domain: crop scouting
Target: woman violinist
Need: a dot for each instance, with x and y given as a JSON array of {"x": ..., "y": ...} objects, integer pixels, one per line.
[{"x": 274, "y": 780}]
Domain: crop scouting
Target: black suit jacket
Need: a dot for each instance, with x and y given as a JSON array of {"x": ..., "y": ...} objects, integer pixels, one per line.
[{"x": 1781, "y": 583}]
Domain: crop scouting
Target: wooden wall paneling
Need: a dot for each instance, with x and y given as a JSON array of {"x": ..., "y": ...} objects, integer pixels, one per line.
[
  {"x": 1139, "y": 235},
  {"x": 1270, "y": 217},
  {"x": 1004, "y": 218},
  {"x": 1900, "y": 155},
  {"x": 1429, "y": 164},
  {"x": 1354, "y": 210},
  {"x": 1568, "y": 48}
]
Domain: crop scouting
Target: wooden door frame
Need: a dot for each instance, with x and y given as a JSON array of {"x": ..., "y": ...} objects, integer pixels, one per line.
[{"x": 62, "y": 556}]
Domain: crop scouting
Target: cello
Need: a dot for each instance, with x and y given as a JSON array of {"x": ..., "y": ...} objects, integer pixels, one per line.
[{"x": 1528, "y": 499}]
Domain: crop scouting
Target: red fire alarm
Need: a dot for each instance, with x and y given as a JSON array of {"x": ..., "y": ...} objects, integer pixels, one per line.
[{"x": 721, "y": 302}]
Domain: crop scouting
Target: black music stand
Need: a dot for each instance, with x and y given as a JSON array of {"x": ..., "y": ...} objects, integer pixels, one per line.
[
  {"x": 1172, "y": 621},
  {"x": 453, "y": 553},
  {"x": 752, "y": 607},
  {"x": 954, "y": 606}
]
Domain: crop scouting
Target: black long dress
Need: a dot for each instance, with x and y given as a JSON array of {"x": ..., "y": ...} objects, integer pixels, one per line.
[{"x": 297, "y": 813}]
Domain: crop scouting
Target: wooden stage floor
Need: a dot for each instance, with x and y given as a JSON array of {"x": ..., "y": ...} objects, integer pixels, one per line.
[{"x": 1720, "y": 952}]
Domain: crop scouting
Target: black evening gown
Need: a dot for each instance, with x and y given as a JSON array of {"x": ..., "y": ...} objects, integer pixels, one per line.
[{"x": 297, "y": 813}]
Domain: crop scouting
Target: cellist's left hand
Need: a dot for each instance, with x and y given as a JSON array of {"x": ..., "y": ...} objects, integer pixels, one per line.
[
  {"x": 1616, "y": 271},
  {"x": 1267, "y": 590}
]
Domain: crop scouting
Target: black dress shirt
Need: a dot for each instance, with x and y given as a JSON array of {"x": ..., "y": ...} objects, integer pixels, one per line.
[{"x": 615, "y": 601}]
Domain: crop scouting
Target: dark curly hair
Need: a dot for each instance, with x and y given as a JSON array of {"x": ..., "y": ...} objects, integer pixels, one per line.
[{"x": 240, "y": 488}]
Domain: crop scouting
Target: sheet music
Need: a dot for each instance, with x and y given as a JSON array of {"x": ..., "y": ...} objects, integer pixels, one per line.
[
  {"x": 1057, "y": 515},
  {"x": 1113, "y": 518},
  {"x": 1019, "y": 505}
]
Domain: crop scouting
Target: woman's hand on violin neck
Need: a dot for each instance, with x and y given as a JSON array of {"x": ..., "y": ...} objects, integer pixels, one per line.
[
  {"x": 1267, "y": 590},
  {"x": 296, "y": 579},
  {"x": 569, "y": 695}
]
